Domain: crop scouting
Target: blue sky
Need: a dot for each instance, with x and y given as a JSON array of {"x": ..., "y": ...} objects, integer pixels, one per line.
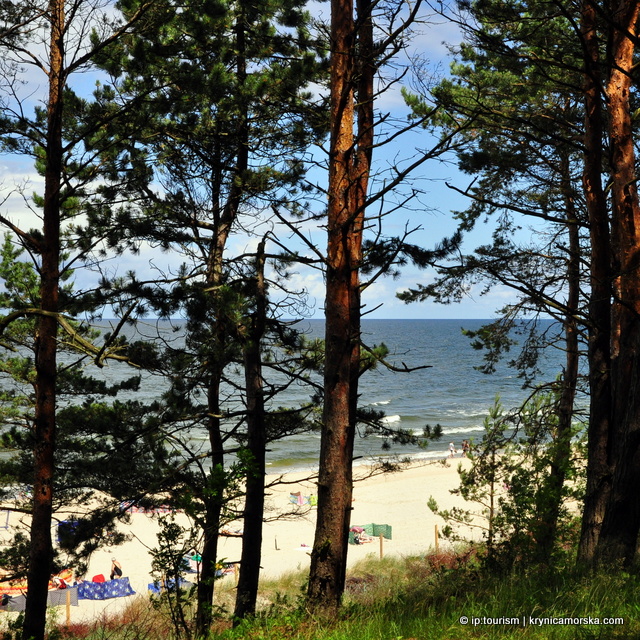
[{"x": 432, "y": 214}]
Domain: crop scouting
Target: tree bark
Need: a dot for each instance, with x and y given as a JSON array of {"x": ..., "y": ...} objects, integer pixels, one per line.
[
  {"x": 555, "y": 482},
  {"x": 41, "y": 550},
  {"x": 349, "y": 167},
  {"x": 598, "y": 462},
  {"x": 224, "y": 217},
  {"x": 621, "y": 524},
  {"x": 213, "y": 499},
  {"x": 336, "y": 447},
  {"x": 247, "y": 590}
]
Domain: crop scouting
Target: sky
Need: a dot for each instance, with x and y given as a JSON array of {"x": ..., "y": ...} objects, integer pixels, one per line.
[{"x": 431, "y": 215}]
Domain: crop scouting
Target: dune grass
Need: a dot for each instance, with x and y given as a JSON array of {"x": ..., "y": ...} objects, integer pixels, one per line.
[
  {"x": 452, "y": 597},
  {"x": 449, "y": 596}
]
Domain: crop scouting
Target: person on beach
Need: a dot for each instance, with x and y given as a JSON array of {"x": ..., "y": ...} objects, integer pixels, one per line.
[
  {"x": 116, "y": 569},
  {"x": 59, "y": 583},
  {"x": 465, "y": 448},
  {"x": 452, "y": 449}
]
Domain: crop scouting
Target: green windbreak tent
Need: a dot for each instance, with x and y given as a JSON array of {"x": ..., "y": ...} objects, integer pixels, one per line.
[{"x": 377, "y": 530}]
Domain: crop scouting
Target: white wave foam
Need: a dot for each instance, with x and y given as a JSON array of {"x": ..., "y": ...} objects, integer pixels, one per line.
[
  {"x": 468, "y": 413},
  {"x": 391, "y": 419},
  {"x": 446, "y": 431}
]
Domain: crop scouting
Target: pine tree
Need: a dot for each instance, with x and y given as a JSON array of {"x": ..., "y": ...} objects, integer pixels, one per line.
[
  {"x": 357, "y": 61},
  {"x": 62, "y": 139},
  {"x": 96, "y": 441},
  {"x": 522, "y": 150},
  {"x": 593, "y": 81},
  {"x": 227, "y": 122},
  {"x": 618, "y": 539}
]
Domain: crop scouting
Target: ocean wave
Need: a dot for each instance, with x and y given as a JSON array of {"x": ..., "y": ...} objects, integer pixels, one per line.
[
  {"x": 375, "y": 404},
  {"x": 428, "y": 455},
  {"x": 292, "y": 465},
  {"x": 468, "y": 413},
  {"x": 391, "y": 419},
  {"x": 448, "y": 431},
  {"x": 451, "y": 430}
]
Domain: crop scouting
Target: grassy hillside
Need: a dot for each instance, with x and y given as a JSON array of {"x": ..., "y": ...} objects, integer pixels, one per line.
[{"x": 436, "y": 597}]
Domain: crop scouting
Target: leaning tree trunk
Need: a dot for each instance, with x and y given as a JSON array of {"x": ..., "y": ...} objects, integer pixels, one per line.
[
  {"x": 598, "y": 463},
  {"x": 546, "y": 536},
  {"x": 621, "y": 524},
  {"x": 41, "y": 551},
  {"x": 247, "y": 589},
  {"x": 213, "y": 500},
  {"x": 224, "y": 217}
]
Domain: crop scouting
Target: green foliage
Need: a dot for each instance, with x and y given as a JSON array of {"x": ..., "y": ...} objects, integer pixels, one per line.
[
  {"x": 105, "y": 453},
  {"x": 509, "y": 481},
  {"x": 514, "y": 99},
  {"x": 21, "y": 283},
  {"x": 14, "y": 557},
  {"x": 438, "y": 597},
  {"x": 495, "y": 338},
  {"x": 175, "y": 543},
  {"x": 216, "y": 77}
]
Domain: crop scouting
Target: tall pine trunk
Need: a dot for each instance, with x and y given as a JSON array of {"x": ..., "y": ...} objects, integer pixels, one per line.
[
  {"x": 349, "y": 166},
  {"x": 224, "y": 217},
  {"x": 213, "y": 492},
  {"x": 336, "y": 446},
  {"x": 213, "y": 499},
  {"x": 598, "y": 462},
  {"x": 621, "y": 524},
  {"x": 41, "y": 551}
]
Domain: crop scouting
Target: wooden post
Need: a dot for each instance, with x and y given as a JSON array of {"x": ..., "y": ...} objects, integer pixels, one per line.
[
  {"x": 437, "y": 541},
  {"x": 381, "y": 550},
  {"x": 68, "y": 607}
]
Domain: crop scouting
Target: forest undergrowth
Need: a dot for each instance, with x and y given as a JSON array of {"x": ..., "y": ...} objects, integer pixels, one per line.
[{"x": 445, "y": 596}]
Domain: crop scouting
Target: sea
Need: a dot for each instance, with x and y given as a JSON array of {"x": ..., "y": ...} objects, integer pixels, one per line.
[
  {"x": 449, "y": 391},
  {"x": 445, "y": 388}
]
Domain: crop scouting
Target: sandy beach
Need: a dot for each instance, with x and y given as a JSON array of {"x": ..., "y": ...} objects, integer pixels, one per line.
[{"x": 396, "y": 499}]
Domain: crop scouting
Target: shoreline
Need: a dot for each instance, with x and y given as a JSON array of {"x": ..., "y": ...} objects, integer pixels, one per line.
[
  {"x": 416, "y": 458},
  {"x": 398, "y": 499}
]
